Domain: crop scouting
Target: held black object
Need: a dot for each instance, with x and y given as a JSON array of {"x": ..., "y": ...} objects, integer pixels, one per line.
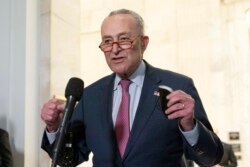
[
  {"x": 163, "y": 92},
  {"x": 73, "y": 93}
]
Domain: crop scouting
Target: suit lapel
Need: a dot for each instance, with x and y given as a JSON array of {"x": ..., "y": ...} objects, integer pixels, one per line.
[
  {"x": 145, "y": 108},
  {"x": 106, "y": 104}
]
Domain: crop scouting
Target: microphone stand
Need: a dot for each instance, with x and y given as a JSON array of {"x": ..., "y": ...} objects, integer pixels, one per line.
[{"x": 63, "y": 129}]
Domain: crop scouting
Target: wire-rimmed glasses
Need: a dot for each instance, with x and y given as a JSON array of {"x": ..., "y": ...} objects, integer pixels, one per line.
[{"x": 124, "y": 44}]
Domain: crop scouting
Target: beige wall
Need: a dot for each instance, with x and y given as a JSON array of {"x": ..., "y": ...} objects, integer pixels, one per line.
[{"x": 207, "y": 40}]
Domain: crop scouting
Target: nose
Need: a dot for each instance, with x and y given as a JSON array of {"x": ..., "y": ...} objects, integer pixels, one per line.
[{"x": 115, "y": 47}]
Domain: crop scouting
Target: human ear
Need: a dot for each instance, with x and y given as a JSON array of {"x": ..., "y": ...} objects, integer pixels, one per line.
[{"x": 144, "y": 44}]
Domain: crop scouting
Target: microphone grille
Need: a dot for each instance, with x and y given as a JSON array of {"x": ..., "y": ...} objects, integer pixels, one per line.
[{"x": 74, "y": 88}]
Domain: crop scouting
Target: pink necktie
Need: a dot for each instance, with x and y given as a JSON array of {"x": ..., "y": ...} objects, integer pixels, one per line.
[{"x": 122, "y": 120}]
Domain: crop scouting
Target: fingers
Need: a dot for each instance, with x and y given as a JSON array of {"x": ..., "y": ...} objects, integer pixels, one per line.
[
  {"x": 51, "y": 113},
  {"x": 178, "y": 96},
  {"x": 181, "y": 106}
]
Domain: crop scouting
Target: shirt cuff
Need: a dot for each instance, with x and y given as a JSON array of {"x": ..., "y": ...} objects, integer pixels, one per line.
[
  {"x": 51, "y": 136},
  {"x": 192, "y": 135}
]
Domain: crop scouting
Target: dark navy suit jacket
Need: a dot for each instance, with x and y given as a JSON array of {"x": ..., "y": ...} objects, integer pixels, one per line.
[
  {"x": 229, "y": 159},
  {"x": 6, "y": 159},
  {"x": 154, "y": 140}
]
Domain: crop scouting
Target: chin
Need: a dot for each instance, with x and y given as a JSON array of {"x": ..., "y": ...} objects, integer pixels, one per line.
[
  {"x": 121, "y": 70},
  {"x": 121, "y": 74}
]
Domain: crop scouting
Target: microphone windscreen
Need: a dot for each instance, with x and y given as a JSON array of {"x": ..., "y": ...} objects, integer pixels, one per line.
[{"x": 74, "y": 88}]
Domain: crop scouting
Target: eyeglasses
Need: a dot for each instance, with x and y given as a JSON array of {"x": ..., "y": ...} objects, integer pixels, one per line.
[{"x": 124, "y": 44}]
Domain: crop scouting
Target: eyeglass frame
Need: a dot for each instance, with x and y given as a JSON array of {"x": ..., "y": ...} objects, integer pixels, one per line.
[{"x": 131, "y": 41}]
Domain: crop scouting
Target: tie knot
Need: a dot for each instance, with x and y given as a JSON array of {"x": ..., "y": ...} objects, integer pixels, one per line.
[{"x": 125, "y": 84}]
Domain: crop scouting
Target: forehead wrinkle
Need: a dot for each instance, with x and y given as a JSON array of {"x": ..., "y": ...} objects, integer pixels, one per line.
[{"x": 116, "y": 36}]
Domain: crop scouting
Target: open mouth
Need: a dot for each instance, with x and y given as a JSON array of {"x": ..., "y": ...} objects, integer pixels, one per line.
[{"x": 118, "y": 59}]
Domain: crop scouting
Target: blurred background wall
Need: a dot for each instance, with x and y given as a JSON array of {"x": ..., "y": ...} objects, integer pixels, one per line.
[{"x": 45, "y": 42}]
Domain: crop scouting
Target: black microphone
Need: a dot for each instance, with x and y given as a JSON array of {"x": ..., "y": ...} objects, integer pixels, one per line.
[
  {"x": 163, "y": 92},
  {"x": 73, "y": 93}
]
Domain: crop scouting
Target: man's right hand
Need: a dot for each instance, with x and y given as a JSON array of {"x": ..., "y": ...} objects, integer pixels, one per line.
[{"x": 52, "y": 113}]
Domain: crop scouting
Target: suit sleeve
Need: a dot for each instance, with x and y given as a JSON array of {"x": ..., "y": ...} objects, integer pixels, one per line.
[
  {"x": 80, "y": 150},
  {"x": 208, "y": 150},
  {"x": 5, "y": 151}
]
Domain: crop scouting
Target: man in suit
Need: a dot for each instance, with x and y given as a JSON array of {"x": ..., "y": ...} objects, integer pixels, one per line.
[
  {"x": 229, "y": 159},
  {"x": 5, "y": 150},
  {"x": 155, "y": 138}
]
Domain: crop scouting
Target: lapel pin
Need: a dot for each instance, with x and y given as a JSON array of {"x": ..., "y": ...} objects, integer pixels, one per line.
[{"x": 156, "y": 93}]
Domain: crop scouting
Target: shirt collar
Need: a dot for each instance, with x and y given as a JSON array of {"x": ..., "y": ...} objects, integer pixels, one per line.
[{"x": 137, "y": 77}]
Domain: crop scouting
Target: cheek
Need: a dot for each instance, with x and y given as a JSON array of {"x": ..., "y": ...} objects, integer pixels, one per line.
[
  {"x": 107, "y": 57},
  {"x": 132, "y": 62},
  {"x": 135, "y": 57}
]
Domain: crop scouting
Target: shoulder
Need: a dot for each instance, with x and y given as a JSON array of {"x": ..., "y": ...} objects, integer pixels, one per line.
[
  {"x": 227, "y": 145},
  {"x": 101, "y": 83},
  {"x": 3, "y": 133},
  {"x": 163, "y": 72},
  {"x": 167, "y": 77}
]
